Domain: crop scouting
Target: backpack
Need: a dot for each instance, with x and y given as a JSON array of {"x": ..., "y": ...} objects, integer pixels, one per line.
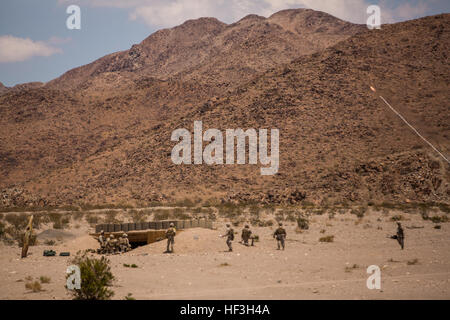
[{"x": 49, "y": 253}]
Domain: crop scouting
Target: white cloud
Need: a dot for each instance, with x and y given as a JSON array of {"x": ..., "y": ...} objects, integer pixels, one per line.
[
  {"x": 14, "y": 49},
  {"x": 168, "y": 13}
]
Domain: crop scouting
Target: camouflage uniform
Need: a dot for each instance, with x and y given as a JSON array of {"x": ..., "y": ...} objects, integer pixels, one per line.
[
  {"x": 124, "y": 243},
  {"x": 102, "y": 241},
  {"x": 246, "y": 235},
  {"x": 170, "y": 235},
  {"x": 400, "y": 235},
  {"x": 112, "y": 244},
  {"x": 108, "y": 245},
  {"x": 230, "y": 237},
  {"x": 280, "y": 235}
]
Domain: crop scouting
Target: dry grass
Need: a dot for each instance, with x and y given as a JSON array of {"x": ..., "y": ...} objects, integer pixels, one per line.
[{"x": 327, "y": 239}]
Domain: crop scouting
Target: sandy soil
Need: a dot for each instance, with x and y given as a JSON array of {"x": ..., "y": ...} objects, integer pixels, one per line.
[{"x": 200, "y": 268}]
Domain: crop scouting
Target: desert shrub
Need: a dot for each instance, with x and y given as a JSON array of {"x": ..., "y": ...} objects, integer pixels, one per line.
[
  {"x": 229, "y": 210},
  {"x": 327, "y": 239},
  {"x": 349, "y": 269},
  {"x": 20, "y": 237},
  {"x": 180, "y": 215},
  {"x": 397, "y": 217},
  {"x": 412, "y": 262},
  {"x": 303, "y": 223},
  {"x": 126, "y": 265},
  {"x": 110, "y": 216},
  {"x": 49, "y": 242},
  {"x": 439, "y": 219},
  {"x": 2, "y": 229},
  {"x": 359, "y": 212},
  {"x": 185, "y": 203},
  {"x": 44, "y": 279},
  {"x": 161, "y": 215},
  {"x": 129, "y": 296},
  {"x": 92, "y": 219},
  {"x": 77, "y": 216},
  {"x": 96, "y": 278},
  {"x": 19, "y": 221},
  {"x": 444, "y": 207},
  {"x": 34, "y": 286}
]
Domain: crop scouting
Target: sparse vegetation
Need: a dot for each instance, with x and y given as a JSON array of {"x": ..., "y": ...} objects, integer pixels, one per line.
[
  {"x": 412, "y": 262},
  {"x": 96, "y": 278},
  {"x": 44, "y": 279},
  {"x": 350, "y": 268},
  {"x": 302, "y": 223},
  {"x": 397, "y": 217},
  {"x": 439, "y": 219},
  {"x": 49, "y": 242},
  {"x": 34, "y": 286},
  {"x": 129, "y": 296},
  {"x": 327, "y": 239}
]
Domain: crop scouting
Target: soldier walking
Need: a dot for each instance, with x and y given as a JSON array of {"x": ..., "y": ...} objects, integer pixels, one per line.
[
  {"x": 230, "y": 237},
  {"x": 170, "y": 235},
  {"x": 400, "y": 236},
  {"x": 280, "y": 235}
]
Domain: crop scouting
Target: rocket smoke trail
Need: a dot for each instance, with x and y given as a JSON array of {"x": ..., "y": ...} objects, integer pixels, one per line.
[{"x": 404, "y": 120}]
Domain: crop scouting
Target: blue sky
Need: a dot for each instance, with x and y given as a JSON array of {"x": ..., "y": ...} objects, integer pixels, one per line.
[{"x": 35, "y": 44}]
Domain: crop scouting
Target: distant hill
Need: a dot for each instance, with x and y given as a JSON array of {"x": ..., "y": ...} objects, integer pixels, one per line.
[{"x": 101, "y": 133}]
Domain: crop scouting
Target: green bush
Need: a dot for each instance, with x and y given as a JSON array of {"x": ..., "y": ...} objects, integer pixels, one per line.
[
  {"x": 96, "y": 278},
  {"x": 303, "y": 223}
]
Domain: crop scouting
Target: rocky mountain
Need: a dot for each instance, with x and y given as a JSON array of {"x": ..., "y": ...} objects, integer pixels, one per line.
[{"x": 101, "y": 133}]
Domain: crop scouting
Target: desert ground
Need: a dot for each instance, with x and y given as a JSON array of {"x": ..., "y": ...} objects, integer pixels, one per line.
[{"x": 201, "y": 267}]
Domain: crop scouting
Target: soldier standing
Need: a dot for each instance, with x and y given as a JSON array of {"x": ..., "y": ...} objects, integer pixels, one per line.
[
  {"x": 230, "y": 237},
  {"x": 108, "y": 245},
  {"x": 124, "y": 243},
  {"x": 280, "y": 235},
  {"x": 102, "y": 241},
  {"x": 170, "y": 235},
  {"x": 246, "y": 235}
]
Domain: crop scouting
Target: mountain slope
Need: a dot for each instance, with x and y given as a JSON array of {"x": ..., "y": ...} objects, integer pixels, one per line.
[{"x": 338, "y": 142}]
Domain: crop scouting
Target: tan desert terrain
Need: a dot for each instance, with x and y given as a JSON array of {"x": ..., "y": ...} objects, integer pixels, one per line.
[{"x": 201, "y": 268}]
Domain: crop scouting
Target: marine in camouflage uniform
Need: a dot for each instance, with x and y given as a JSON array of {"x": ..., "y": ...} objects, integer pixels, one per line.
[
  {"x": 280, "y": 235},
  {"x": 124, "y": 243},
  {"x": 170, "y": 235},
  {"x": 247, "y": 235},
  {"x": 102, "y": 241},
  {"x": 111, "y": 244},
  {"x": 230, "y": 237},
  {"x": 400, "y": 236}
]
